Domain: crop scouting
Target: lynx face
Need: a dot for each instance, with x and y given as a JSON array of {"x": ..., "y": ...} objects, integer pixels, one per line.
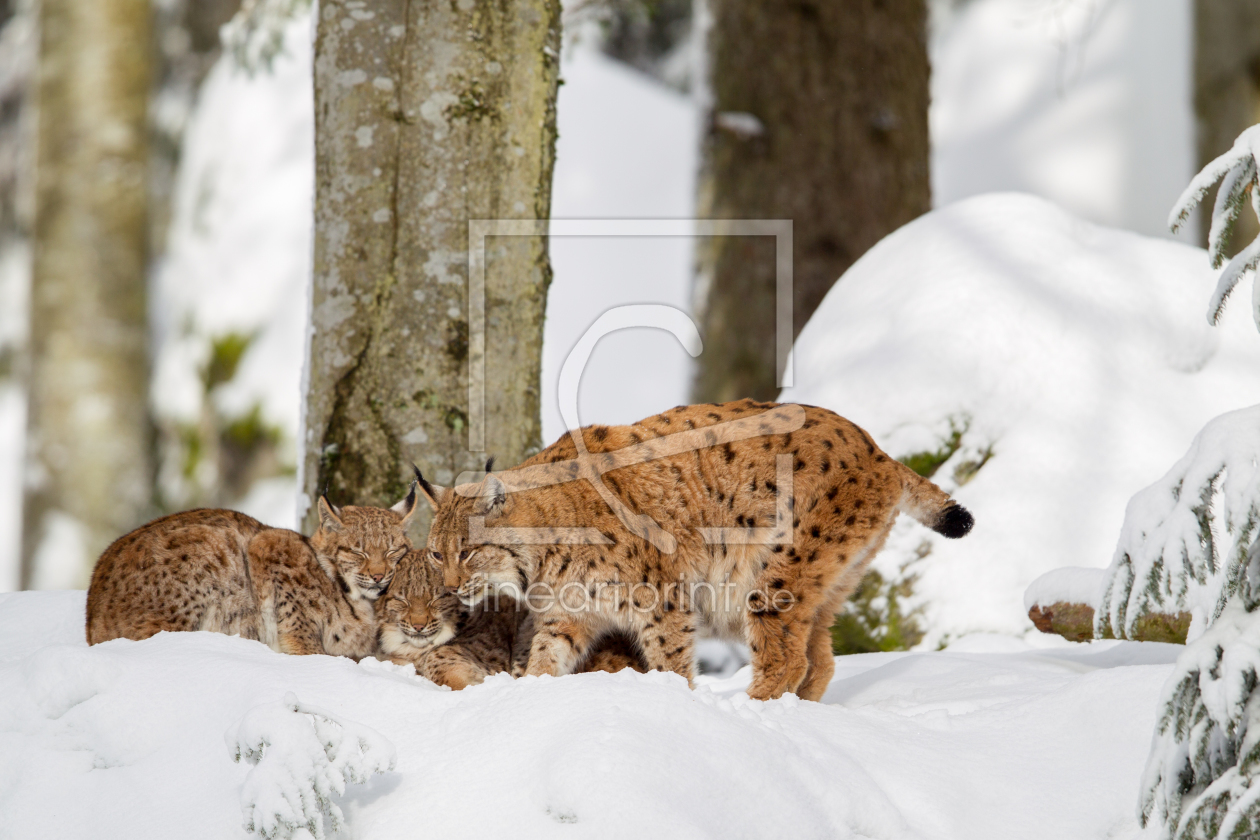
[
  {"x": 475, "y": 571},
  {"x": 363, "y": 544},
  {"x": 420, "y": 614}
]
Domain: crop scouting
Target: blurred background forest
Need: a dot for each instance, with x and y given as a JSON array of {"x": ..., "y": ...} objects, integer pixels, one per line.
[{"x": 158, "y": 182}]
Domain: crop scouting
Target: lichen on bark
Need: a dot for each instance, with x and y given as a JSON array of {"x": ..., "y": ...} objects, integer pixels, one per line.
[{"x": 428, "y": 115}]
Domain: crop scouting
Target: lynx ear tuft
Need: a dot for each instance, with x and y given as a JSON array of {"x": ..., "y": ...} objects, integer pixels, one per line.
[
  {"x": 407, "y": 507},
  {"x": 432, "y": 492},
  {"x": 490, "y": 464},
  {"x": 329, "y": 516},
  {"x": 492, "y": 498}
]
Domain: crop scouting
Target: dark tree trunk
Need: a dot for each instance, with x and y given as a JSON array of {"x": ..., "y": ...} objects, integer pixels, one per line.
[
  {"x": 1226, "y": 91},
  {"x": 818, "y": 115}
]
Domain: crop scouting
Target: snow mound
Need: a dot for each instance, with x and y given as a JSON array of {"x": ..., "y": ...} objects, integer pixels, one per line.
[
  {"x": 1056, "y": 366},
  {"x": 126, "y": 739}
]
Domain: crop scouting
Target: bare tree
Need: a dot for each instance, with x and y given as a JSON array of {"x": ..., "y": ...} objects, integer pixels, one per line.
[
  {"x": 818, "y": 115},
  {"x": 428, "y": 115},
  {"x": 89, "y": 476}
]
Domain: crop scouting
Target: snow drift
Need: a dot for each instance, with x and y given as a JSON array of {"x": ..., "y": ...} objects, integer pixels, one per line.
[
  {"x": 137, "y": 740},
  {"x": 1057, "y": 367}
]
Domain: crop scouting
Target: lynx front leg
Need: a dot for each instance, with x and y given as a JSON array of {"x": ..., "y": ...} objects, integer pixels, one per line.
[
  {"x": 559, "y": 644},
  {"x": 668, "y": 643}
]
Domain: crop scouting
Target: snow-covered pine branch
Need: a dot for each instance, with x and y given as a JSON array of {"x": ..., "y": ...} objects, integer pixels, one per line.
[
  {"x": 1200, "y": 777},
  {"x": 1185, "y": 539},
  {"x": 1238, "y": 172},
  {"x": 302, "y": 756}
]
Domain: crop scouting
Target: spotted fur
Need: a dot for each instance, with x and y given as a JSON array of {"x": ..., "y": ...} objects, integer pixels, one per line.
[
  {"x": 225, "y": 572},
  {"x": 780, "y": 597},
  {"x": 425, "y": 624}
]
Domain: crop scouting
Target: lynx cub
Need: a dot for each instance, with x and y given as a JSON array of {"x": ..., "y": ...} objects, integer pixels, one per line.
[
  {"x": 223, "y": 571},
  {"x": 425, "y": 624},
  {"x": 725, "y": 546}
]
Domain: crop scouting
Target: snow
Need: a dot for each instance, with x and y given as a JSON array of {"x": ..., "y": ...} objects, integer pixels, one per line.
[
  {"x": 136, "y": 739},
  {"x": 1060, "y": 349},
  {"x": 1070, "y": 585},
  {"x": 608, "y": 112},
  {"x": 1202, "y": 764},
  {"x": 238, "y": 252},
  {"x": 1088, "y": 104},
  {"x": 1162, "y": 561}
]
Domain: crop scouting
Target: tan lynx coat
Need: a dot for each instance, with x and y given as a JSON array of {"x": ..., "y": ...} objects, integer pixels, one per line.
[
  {"x": 780, "y": 595},
  {"x": 424, "y": 623},
  {"x": 225, "y": 572}
]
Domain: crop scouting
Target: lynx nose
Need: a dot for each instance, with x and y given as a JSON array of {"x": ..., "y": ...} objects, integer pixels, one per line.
[{"x": 377, "y": 578}]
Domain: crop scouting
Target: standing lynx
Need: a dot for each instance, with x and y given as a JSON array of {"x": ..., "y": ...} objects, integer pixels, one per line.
[
  {"x": 768, "y": 517},
  {"x": 424, "y": 623},
  {"x": 223, "y": 571}
]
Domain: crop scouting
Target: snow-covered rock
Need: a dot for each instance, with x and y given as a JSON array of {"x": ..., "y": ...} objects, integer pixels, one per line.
[
  {"x": 1065, "y": 364},
  {"x": 1068, "y": 585},
  {"x": 134, "y": 739}
]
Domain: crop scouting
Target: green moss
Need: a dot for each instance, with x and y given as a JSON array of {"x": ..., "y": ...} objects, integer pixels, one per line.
[
  {"x": 457, "y": 341},
  {"x": 250, "y": 431},
  {"x": 225, "y": 356},
  {"x": 967, "y": 470},
  {"x": 873, "y": 620},
  {"x": 192, "y": 446},
  {"x": 473, "y": 103},
  {"x": 455, "y": 418},
  {"x": 928, "y": 462}
]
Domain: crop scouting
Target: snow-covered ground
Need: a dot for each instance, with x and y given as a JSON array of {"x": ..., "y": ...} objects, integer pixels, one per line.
[
  {"x": 989, "y": 739},
  {"x": 1074, "y": 361}
]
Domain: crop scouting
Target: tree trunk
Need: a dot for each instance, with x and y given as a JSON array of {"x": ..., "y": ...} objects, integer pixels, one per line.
[
  {"x": 427, "y": 115},
  {"x": 818, "y": 115},
  {"x": 1226, "y": 91},
  {"x": 89, "y": 438}
]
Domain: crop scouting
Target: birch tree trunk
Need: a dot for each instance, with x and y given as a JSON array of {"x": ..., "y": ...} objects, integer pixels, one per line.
[
  {"x": 89, "y": 478},
  {"x": 427, "y": 115},
  {"x": 818, "y": 115}
]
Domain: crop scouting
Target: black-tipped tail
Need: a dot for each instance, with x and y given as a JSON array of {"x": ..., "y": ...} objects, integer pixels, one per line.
[{"x": 955, "y": 522}]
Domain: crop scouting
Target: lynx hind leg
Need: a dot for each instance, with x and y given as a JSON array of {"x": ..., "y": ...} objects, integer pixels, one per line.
[
  {"x": 667, "y": 641},
  {"x": 279, "y": 564},
  {"x": 822, "y": 663},
  {"x": 558, "y": 646}
]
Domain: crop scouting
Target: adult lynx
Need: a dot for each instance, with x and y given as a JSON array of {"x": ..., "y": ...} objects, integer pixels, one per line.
[
  {"x": 757, "y": 520},
  {"x": 226, "y": 572}
]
